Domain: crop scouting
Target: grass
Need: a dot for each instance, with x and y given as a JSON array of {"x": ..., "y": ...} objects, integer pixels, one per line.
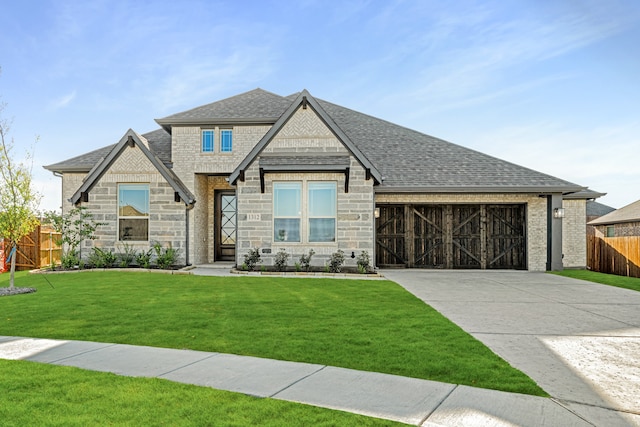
[
  {"x": 632, "y": 283},
  {"x": 38, "y": 394},
  {"x": 366, "y": 325}
]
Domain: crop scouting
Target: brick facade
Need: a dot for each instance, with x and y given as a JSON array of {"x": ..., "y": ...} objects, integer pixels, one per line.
[
  {"x": 574, "y": 234},
  {"x": 624, "y": 229},
  {"x": 306, "y": 134},
  {"x": 166, "y": 217}
]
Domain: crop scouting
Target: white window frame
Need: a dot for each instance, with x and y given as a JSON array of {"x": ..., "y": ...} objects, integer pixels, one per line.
[
  {"x": 138, "y": 217},
  {"x": 304, "y": 216},
  {"x": 277, "y": 237},
  {"x": 334, "y": 216}
]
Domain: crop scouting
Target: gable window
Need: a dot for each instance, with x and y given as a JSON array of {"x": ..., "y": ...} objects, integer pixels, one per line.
[
  {"x": 208, "y": 141},
  {"x": 287, "y": 204},
  {"x": 226, "y": 140},
  {"x": 322, "y": 211},
  {"x": 133, "y": 212}
]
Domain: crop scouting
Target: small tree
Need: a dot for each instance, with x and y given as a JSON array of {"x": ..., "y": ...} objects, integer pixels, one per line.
[
  {"x": 18, "y": 200},
  {"x": 75, "y": 226}
]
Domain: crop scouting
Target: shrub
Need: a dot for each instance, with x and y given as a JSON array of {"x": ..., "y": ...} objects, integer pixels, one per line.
[
  {"x": 252, "y": 258},
  {"x": 297, "y": 267},
  {"x": 165, "y": 257},
  {"x": 143, "y": 259},
  {"x": 364, "y": 262},
  {"x": 280, "y": 260},
  {"x": 100, "y": 258},
  {"x": 70, "y": 259},
  {"x": 336, "y": 261},
  {"x": 305, "y": 260},
  {"x": 127, "y": 255}
]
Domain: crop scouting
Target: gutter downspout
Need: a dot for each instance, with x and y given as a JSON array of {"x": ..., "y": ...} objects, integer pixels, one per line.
[{"x": 188, "y": 208}]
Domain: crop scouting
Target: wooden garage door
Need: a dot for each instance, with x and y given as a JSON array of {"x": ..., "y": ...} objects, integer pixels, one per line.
[{"x": 451, "y": 236}]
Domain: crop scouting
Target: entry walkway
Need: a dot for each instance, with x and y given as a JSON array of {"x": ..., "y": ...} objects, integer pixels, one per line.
[
  {"x": 580, "y": 341},
  {"x": 407, "y": 400}
]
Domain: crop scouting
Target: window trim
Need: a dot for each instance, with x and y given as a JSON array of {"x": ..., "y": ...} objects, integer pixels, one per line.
[
  {"x": 212, "y": 132},
  {"x": 140, "y": 217},
  {"x": 309, "y": 215},
  {"x": 228, "y": 131},
  {"x": 305, "y": 215},
  {"x": 300, "y": 188}
]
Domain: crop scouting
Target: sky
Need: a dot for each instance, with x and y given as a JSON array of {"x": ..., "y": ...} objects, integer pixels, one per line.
[{"x": 553, "y": 85}]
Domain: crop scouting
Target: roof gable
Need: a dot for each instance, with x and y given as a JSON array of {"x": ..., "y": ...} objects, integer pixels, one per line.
[
  {"x": 305, "y": 100},
  {"x": 131, "y": 139},
  {"x": 159, "y": 144}
]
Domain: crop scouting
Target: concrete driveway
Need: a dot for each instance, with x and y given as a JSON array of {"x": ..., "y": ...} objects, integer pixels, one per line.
[{"x": 580, "y": 341}]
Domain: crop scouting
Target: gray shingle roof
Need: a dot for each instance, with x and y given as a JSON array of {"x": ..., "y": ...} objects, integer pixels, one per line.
[
  {"x": 159, "y": 144},
  {"x": 257, "y": 106},
  {"x": 132, "y": 138},
  {"x": 629, "y": 213},
  {"x": 598, "y": 209},
  {"x": 408, "y": 160},
  {"x": 412, "y": 160}
]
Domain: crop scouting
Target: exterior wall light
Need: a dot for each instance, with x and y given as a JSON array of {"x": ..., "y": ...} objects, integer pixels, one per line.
[
  {"x": 558, "y": 213},
  {"x": 376, "y": 213}
]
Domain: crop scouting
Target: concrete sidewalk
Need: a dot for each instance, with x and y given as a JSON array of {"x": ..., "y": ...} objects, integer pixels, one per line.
[
  {"x": 408, "y": 400},
  {"x": 580, "y": 341}
]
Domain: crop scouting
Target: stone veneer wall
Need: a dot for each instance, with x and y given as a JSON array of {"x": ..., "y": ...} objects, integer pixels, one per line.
[
  {"x": 305, "y": 134},
  {"x": 193, "y": 166},
  {"x": 354, "y": 217},
  {"x": 574, "y": 234},
  {"x": 166, "y": 217},
  {"x": 536, "y": 216}
]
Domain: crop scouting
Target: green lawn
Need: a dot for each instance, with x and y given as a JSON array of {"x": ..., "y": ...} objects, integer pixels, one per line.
[
  {"x": 632, "y": 283},
  {"x": 35, "y": 394},
  {"x": 366, "y": 325}
]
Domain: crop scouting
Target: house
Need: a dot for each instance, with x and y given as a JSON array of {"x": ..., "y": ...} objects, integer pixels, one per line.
[
  {"x": 619, "y": 223},
  {"x": 259, "y": 170},
  {"x": 594, "y": 211}
]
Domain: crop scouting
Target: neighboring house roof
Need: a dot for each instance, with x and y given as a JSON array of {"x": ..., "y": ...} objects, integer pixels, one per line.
[
  {"x": 159, "y": 144},
  {"x": 629, "y": 213},
  {"x": 595, "y": 209},
  {"x": 132, "y": 138},
  {"x": 398, "y": 158}
]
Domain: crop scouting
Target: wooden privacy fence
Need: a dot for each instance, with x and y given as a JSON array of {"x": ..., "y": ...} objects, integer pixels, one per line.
[
  {"x": 614, "y": 255},
  {"x": 39, "y": 249}
]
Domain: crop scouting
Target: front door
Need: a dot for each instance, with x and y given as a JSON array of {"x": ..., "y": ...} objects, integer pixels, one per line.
[{"x": 225, "y": 225}]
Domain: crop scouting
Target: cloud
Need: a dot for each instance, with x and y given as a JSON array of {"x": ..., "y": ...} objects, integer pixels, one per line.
[{"x": 63, "y": 101}]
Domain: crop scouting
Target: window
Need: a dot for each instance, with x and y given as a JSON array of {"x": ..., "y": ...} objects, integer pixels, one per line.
[
  {"x": 287, "y": 203},
  {"x": 322, "y": 211},
  {"x": 133, "y": 212},
  {"x": 317, "y": 221},
  {"x": 208, "y": 141},
  {"x": 226, "y": 140},
  {"x": 611, "y": 231}
]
